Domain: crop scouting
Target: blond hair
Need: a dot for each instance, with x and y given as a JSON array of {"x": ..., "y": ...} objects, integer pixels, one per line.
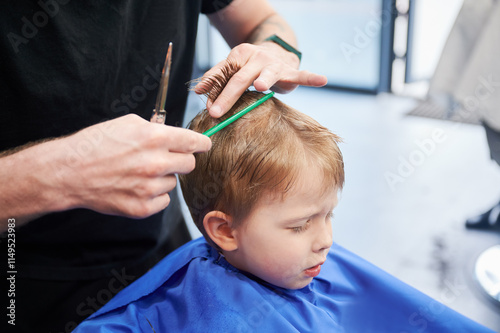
[{"x": 260, "y": 154}]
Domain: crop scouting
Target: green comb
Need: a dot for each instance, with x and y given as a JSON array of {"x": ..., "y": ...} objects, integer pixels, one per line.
[{"x": 238, "y": 115}]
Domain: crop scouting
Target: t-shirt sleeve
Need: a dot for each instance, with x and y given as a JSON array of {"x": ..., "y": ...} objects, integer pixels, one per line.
[{"x": 212, "y": 6}]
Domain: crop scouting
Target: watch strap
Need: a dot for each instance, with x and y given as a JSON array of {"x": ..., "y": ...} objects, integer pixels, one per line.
[{"x": 285, "y": 45}]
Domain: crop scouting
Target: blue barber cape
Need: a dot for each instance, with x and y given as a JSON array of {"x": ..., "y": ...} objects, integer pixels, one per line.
[{"x": 194, "y": 289}]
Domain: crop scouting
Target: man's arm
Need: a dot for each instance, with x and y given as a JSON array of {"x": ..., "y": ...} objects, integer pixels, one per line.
[
  {"x": 245, "y": 24},
  {"x": 245, "y": 21},
  {"x": 22, "y": 197},
  {"x": 124, "y": 166}
]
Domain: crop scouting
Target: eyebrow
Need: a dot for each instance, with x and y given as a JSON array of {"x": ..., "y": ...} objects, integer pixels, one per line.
[
  {"x": 305, "y": 217},
  {"x": 296, "y": 220}
]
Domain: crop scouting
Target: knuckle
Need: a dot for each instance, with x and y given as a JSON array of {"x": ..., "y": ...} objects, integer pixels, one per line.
[
  {"x": 172, "y": 182},
  {"x": 150, "y": 169},
  {"x": 140, "y": 209},
  {"x": 192, "y": 143},
  {"x": 190, "y": 163},
  {"x": 143, "y": 190},
  {"x": 132, "y": 118},
  {"x": 166, "y": 201},
  {"x": 263, "y": 54},
  {"x": 273, "y": 69},
  {"x": 239, "y": 79},
  {"x": 143, "y": 209},
  {"x": 155, "y": 136},
  {"x": 242, "y": 49}
]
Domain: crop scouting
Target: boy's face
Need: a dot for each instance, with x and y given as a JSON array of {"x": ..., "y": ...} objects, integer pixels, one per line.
[{"x": 284, "y": 242}]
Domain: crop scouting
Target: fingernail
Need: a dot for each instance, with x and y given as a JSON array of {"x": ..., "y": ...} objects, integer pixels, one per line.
[
  {"x": 199, "y": 88},
  {"x": 260, "y": 85},
  {"x": 264, "y": 82},
  {"x": 215, "y": 110}
]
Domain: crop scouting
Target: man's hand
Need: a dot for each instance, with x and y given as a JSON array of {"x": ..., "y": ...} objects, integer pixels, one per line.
[
  {"x": 132, "y": 169},
  {"x": 124, "y": 166},
  {"x": 265, "y": 66}
]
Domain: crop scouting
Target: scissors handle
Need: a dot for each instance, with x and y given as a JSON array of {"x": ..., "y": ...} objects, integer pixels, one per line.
[{"x": 159, "y": 117}]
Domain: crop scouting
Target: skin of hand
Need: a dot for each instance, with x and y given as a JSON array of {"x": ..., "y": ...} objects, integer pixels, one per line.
[
  {"x": 124, "y": 166},
  {"x": 264, "y": 64}
]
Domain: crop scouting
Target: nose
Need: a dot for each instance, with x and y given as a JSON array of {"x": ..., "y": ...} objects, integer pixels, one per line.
[{"x": 323, "y": 238}]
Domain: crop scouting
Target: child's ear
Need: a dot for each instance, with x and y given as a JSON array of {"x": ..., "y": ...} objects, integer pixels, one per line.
[{"x": 218, "y": 226}]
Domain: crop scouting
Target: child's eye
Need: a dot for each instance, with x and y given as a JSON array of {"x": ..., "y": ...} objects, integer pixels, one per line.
[
  {"x": 301, "y": 228},
  {"x": 298, "y": 229},
  {"x": 329, "y": 216}
]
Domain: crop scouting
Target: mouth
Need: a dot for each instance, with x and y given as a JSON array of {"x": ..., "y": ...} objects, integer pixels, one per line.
[{"x": 314, "y": 270}]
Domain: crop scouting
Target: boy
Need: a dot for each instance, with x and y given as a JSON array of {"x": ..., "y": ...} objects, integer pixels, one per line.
[{"x": 263, "y": 198}]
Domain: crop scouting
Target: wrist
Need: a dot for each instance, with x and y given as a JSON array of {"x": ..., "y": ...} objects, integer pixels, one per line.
[
  {"x": 284, "y": 45},
  {"x": 48, "y": 176},
  {"x": 60, "y": 170}
]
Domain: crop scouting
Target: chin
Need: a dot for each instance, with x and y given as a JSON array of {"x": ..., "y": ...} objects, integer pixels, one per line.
[{"x": 296, "y": 285}]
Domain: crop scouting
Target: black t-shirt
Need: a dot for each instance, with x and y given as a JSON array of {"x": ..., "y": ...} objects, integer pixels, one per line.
[{"x": 66, "y": 65}]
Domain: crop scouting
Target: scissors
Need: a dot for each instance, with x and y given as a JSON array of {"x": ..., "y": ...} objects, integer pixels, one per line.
[{"x": 159, "y": 113}]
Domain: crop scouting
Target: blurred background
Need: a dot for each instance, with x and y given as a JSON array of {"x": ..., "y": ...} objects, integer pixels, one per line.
[{"x": 412, "y": 177}]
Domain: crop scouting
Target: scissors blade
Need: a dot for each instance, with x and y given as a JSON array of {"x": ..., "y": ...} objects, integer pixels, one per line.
[{"x": 159, "y": 112}]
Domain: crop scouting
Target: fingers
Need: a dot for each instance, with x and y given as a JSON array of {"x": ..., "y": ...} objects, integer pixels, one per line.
[
  {"x": 181, "y": 140},
  {"x": 267, "y": 78},
  {"x": 267, "y": 67},
  {"x": 235, "y": 87},
  {"x": 202, "y": 87},
  {"x": 285, "y": 82},
  {"x": 276, "y": 77},
  {"x": 151, "y": 135},
  {"x": 142, "y": 209},
  {"x": 164, "y": 185},
  {"x": 147, "y": 198},
  {"x": 146, "y": 188},
  {"x": 306, "y": 78},
  {"x": 317, "y": 80},
  {"x": 163, "y": 164},
  {"x": 166, "y": 150},
  {"x": 130, "y": 165},
  {"x": 160, "y": 202}
]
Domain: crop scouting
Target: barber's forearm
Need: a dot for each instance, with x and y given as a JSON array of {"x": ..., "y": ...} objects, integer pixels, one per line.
[
  {"x": 29, "y": 185},
  {"x": 251, "y": 21},
  {"x": 274, "y": 24}
]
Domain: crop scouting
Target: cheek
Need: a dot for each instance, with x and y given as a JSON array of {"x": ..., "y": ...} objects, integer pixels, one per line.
[
  {"x": 280, "y": 255},
  {"x": 272, "y": 242},
  {"x": 271, "y": 248}
]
